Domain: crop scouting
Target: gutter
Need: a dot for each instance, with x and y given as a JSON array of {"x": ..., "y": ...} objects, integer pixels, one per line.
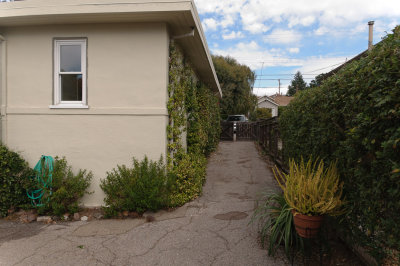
[{"x": 3, "y": 90}]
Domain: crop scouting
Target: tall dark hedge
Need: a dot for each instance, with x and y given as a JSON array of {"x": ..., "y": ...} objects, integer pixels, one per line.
[
  {"x": 354, "y": 117},
  {"x": 14, "y": 179}
]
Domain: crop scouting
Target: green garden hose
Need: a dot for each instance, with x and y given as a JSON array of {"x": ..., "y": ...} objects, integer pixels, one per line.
[{"x": 43, "y": 177}]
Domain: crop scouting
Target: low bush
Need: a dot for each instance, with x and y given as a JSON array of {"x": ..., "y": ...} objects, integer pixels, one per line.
[
  {"x": 140, "y": 188},
  {"x": 186, "y": 179},
  {"x": 14, "y": 179},
  {"x": 66, "y": 189}
]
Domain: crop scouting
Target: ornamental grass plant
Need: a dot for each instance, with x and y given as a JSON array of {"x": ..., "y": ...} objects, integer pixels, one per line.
[
  {"x": 310, "y": 188},
  {"x": 275, "y": 220}
]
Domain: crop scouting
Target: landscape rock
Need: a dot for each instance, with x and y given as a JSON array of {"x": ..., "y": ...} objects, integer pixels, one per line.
[
  {"x": 28, "y": 217},
  {"x": 44, "y": 219},
  {"x": 84, "y": 218},
  {"x": 125, "y": 213},
  {"x": 134, "y": 215},
  {"x": 31, "y": 217},
  {"x": 77, "y": 216},
  {"x": 66, "y": 216},
  {"x": 98, "y": 215}
]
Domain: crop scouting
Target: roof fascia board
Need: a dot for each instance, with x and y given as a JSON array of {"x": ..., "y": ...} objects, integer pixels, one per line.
[
  {"x": 268, "y": 100},
  {"x": 199, "y": 27}
]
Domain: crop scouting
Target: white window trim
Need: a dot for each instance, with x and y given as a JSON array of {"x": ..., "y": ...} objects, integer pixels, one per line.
[{"x": 57, "y": 81}]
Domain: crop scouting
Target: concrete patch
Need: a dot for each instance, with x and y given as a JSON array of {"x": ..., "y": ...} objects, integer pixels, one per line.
[
  {"x": 167, "y": 215},
  {"x": 231, "y": 216},
  {"x": 244, "y": 197},
  {"x": 107, "y": 227}
]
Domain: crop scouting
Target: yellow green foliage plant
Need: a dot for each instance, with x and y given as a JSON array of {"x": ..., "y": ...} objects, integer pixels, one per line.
[{"x": 311, "y": 189}]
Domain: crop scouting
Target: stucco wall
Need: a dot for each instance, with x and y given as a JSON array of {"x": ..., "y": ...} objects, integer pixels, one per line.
[
  {"x": 266, "y": 104},
  {"x": 127, "y": 95}
]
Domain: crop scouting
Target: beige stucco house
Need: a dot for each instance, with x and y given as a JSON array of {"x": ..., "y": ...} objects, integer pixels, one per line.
[
  {"x": 267, "y": 102},
  {"x": 87, "y": 79}
]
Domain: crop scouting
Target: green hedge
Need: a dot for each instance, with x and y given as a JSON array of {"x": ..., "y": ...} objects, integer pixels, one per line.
[
  {"x": 354, "y": 117},
  {"x": 192, "y": 107},
  {"x": 186, "y": 179},
  {"x": 14, "y": 179}
]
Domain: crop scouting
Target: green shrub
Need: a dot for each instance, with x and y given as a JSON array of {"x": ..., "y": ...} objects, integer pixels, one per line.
[
  {"x": 275, "y": 219},
  {"x": 263, "y": 113},
  {"x": 14, "y": 179},
  {"x": 67, "y": 189},
  {"x": 140, "y": 188},
  {"x": 186, "y": 179},
  {"x": 354, "y": 118}
]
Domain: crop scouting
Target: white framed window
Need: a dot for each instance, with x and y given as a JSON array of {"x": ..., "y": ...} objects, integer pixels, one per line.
[{"x": 70, "y": 74}]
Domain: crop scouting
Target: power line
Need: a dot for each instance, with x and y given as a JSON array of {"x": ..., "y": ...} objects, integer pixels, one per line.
[
  {"x": 329, "y": 66},
  {"x": 280, "y": 79},
  {"x": 278, "y": 75},
  {"x": 266, "y": 88}
]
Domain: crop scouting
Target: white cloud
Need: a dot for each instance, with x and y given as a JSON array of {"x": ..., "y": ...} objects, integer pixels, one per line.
[
  {"x": 227, "y": 21},
  {"x": 251, "y": 54},
  {"x": 280, "y": 36},
  {"x": 256, "y": 27},
  {"x": 321, "y": 64},
  {"x": 233, "y": 35},
  {"x": 209, "y": 24},
  {"x": 332, "y": 16},
  {"x": 294, "y": 50},
  {"x": 262, "y": 91},
  {"x": 219, "y": 6},
  {"x": 304, "y": 21},
  {"x": 256, "y": 57}
]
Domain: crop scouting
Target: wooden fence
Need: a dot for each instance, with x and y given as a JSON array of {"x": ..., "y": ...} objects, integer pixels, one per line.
[
  {"x": 265, "y": 132},
  {"x": 269, "y": 138}
]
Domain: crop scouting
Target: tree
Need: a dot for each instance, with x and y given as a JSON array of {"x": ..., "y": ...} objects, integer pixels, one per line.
[
  {"x": 297, "y": 84},
  {"x": 317, "y": 81},
  {"x": 236, "y": 82}
]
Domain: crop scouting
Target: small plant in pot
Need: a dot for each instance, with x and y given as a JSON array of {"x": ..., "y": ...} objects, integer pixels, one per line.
[{"x": 312, "y": 191}]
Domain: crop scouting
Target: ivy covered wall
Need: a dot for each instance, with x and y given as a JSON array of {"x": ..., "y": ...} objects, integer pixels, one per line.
[{"x": 193, "y": 114}]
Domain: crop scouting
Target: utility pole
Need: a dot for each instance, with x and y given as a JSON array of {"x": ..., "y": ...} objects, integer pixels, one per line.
[{"x": 279, "y": 86}]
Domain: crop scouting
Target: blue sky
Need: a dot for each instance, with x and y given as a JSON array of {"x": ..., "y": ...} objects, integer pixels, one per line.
[{"x": 277, "y": 38}]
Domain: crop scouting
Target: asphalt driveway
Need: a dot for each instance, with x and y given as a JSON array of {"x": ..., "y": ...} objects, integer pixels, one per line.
[{"x": 212, "y": 230}]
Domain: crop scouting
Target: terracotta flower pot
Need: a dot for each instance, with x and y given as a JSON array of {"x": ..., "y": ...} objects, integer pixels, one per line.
[{"x": 307, "y": 226}]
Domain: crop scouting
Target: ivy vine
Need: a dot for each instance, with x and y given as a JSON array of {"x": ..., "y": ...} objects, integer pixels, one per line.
[{"x": 192, "y": 108}]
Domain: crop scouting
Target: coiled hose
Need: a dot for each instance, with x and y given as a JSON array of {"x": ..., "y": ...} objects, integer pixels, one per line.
[{"x": 44, "y": 178}]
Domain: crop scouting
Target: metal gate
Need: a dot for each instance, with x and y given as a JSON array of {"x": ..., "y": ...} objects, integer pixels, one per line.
[
  {"x": 243, "y": 130},
  {"x": 226, "y": 130}
]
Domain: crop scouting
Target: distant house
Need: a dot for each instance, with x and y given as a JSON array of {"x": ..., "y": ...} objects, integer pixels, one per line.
[
  {"x": 281, "y": 100},
  {"x": 267, "y": 102},
  {"x": 88, "y": 79}
]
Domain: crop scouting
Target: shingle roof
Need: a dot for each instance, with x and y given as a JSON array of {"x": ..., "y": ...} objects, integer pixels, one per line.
[{"x": 282, "y": 100}]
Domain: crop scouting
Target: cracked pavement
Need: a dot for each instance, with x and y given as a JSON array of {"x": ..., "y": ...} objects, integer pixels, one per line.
[{"x": 211, "y": 230}]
